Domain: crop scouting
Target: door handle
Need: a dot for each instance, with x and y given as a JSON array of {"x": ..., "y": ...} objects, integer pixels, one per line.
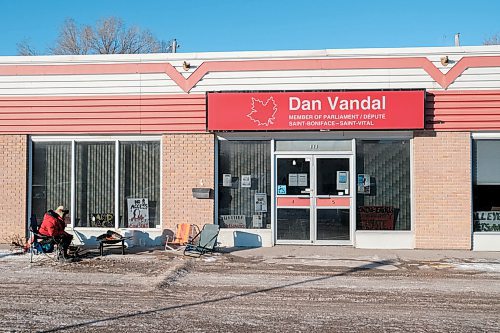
[{"x": 306, "y": 191}]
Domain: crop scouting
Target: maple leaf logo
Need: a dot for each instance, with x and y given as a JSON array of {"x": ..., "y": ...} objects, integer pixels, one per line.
[{"x": 263, "y": 113}]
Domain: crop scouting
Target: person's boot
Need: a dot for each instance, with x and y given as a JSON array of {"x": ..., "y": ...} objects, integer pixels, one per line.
[{"x": 65, "y": 257}]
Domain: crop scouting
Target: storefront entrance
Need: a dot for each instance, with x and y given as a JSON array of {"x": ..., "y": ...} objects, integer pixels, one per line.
[{"x": 314, "y": 199}]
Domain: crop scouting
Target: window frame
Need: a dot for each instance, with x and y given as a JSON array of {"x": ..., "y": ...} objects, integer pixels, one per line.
[
  {"x": 83, "y": 138},
  {"x": 477, "y": 137},
  {"x": 321, "y": 135},
  {"x": 411, "y": 180},
  {"x": 216, "y": 174}
]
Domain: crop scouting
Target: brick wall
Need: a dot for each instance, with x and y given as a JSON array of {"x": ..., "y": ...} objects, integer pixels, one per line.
[
  {"x": 442, "y": 188},
  {"x": 188, "y": 162},
  {"x": 13, "y": 175}
]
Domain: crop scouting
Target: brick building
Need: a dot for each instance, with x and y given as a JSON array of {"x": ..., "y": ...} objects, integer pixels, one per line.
[{"x": 371, "y": 148}]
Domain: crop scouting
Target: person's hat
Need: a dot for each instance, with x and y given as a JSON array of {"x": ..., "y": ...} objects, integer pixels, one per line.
[{"x": 61, "y": 211}]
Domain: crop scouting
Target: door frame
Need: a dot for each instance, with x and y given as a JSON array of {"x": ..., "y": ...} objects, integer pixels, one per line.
[
  {"x": 275, "y": 198},
  {"x": 351, "y": 195},
  {"x": 312, "y": 204}
]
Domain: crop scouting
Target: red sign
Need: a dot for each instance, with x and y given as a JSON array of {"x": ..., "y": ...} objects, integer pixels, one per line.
[
  {"x": 376, "y": 217},
  {"x": 360, "y": 110}
]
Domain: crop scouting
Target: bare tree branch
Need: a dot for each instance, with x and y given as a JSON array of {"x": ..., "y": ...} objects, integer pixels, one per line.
[
  {"x": 25, "y": 49},
  {"x": 69, "y": 40},
  {"x": 493, "y": 40},
  {"x": 108, "y": 36}
]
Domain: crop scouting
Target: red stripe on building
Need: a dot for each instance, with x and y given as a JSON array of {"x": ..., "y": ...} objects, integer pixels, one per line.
[
  {"x": 112, "y": 114},
  {"x": 444, "y": 80},
  {"x": 465, "y": 110}
]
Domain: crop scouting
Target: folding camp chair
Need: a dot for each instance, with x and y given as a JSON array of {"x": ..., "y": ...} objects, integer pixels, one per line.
[
  {"x": 184, "y": 233},
  {"x": 77, "y": 243},
  {"x": 203, "y": 242},
  {"x": 41, "y": 244}
]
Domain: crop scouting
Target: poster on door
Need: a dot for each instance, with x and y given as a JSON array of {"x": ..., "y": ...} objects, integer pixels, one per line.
[
  {"x": 302, "y": 179},
  {"x": 342, "y": 180},
  {"x": 138, "y": 212}
]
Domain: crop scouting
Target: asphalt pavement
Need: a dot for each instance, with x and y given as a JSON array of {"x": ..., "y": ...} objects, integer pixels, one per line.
[{"x": 345, "y": 256}]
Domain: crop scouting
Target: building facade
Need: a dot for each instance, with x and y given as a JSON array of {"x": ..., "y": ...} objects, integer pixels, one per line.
[{"x": 371, "y": 148}]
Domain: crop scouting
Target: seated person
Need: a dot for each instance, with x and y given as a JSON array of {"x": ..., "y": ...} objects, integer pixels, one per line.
[{"x": 53, "y": 225}]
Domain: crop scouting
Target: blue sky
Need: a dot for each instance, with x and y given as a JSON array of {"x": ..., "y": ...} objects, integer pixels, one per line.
[{"x": 234, "y": 25}]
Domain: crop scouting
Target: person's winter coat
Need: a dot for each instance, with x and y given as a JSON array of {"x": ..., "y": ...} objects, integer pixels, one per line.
[{"x": 52, "y": 225}]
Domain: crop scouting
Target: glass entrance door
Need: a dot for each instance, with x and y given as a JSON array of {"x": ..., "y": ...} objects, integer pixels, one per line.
[
  {"x": 313, "y": 199},
  {"x": 293, "y": 199},
  {"x": 333, "y": 198}
]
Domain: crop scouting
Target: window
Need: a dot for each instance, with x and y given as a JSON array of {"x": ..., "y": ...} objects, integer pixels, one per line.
[
  {"x": 107, "y": 194},
  {"x": 486, "y": 185},
  {"x": 139, "y": 184},
  {"x": 95, "y": 174},
  {"x": 383, "y": 185},
  {"x": 51, "y": 179},
  {"x": 244, "y": 184}
]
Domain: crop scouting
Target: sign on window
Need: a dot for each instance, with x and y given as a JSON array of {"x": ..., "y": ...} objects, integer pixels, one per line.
[
  {"x": 138, "y": 212},
  {"x": 261, "y": 202},
  {"x": 233, "y": 221},
  {"x": 487, "y": 221},
  {"x": 102, "y": 220}
]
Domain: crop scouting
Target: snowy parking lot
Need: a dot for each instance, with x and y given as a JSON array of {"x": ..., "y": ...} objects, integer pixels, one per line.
[{"x": 158, "y": 291}]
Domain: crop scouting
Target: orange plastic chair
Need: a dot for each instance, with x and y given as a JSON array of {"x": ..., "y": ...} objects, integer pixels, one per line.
[{"x": 183, "y": 236}]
